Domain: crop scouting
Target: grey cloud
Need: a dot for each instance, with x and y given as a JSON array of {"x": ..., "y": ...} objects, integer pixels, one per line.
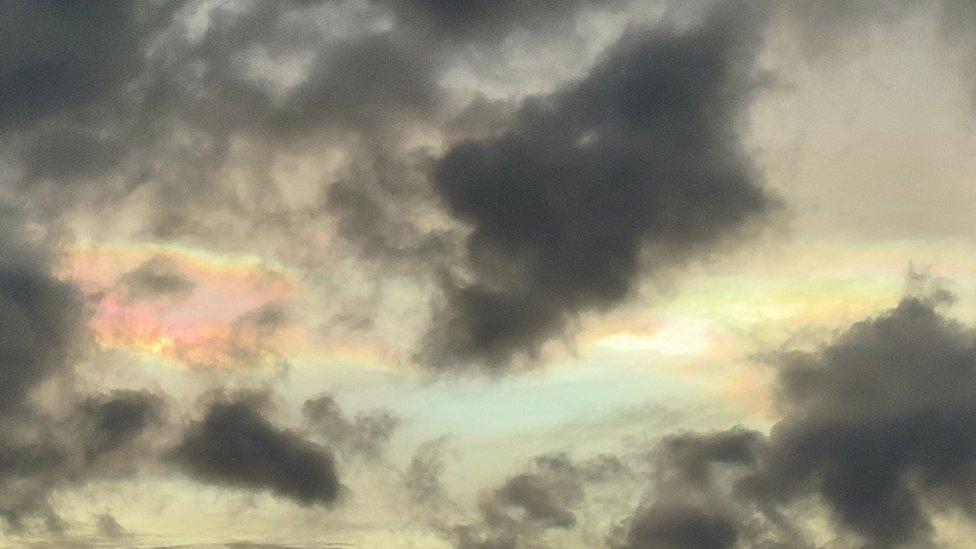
[
  {"x": 377, "y": 203},
  {"x": 352, "y": 88},
  {"x": 520, "y": 511},
  {"x": 41, "y": 333},
  {"x": 157, "y": 277},
  {"x": 252, "y": 335},
  {"x": 481, "y": 118},
  {"x": 200, "y": 91},
  {"x": 235, "y": 445},
  {"x": 69, "y": 150},
  {"x": 109, "y": 527},
  {"x": 62, "y": 55},
  {"x": 360, "y": 80},
  {"x": 96, "y": 438},
  {"x": 366, "y": 435},
  {"x": 422, "y": 477},
  {"x": 877, "y": 425},
  {"x": 830, "y": 28},
  {"x": 640, "y": 155},
  {"x": 152, "y": 98},
  {"x": 878, "y": 420},
  {"x": 692, "y": 455},
  {"x": 111, "y": 421},
  {"x": 666, "y": 526},
  {"x": 42, "y": 318},
  {"x": 694, "y": 499},
  {"x": 368, "y": 83},
  {"x": 482, "y": 21}
]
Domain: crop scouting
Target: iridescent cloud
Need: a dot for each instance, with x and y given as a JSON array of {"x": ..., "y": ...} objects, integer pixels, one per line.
[{"x": 234, "y": 315}]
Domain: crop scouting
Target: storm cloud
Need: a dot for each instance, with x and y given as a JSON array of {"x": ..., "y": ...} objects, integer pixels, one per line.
[{"x": 632, "y": 169}]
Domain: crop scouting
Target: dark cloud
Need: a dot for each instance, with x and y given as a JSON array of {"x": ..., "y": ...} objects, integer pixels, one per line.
[
  {"x": 376, "y": 81},
  {"x": 666, "y": 526},
  {"x": 66, "y": 150},
  {"x": 41, "y": 318},
  {"x": 113, "y": 420},
  {"x": 525, "y": 506},
  {"x": 155, "y": 98},
  {"x": 252, "y": 336},
  {"x": 690, "y": 456},
  {"x": 58, "y": 55},
  {"x": 235, "y": 445},
  {"x": 42, "y": 333},
  {"x": 366, "y": 435},
  {"x": 693, "y": 502},
  {"x": 377, "y": 204},
  {"x": 640, "y": 158},
  {"x": 157, "y": 277},
  {"x": 878, "y": 424},
  {"x": 483, "y": 21},
  {"x": 422, "y": 477},
  {"x": 109, "y": 527},
  {"x": 96, "y": 438},
  {"x": 878, "y": 420}
]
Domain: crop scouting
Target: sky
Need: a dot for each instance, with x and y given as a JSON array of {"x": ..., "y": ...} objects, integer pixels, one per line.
[{"x": 542, "y": 274}]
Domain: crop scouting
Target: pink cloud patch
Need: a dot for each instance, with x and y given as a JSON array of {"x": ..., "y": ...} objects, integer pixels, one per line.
[{"x": 233, "y": 316}]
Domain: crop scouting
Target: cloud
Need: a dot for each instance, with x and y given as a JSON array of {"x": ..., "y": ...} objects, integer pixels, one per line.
[
  {"x": 69, "y": 150},
  {"x": 41, "y": 318},
  {"x": 520, "y": 511},
  {"x": 667, "y": 526},
  {"x": 63, "y": 56},
  {"x": 422, "y": 477},
  {"x": 877, "y": 426},
  {"x": 99, "y": 437},
  {"x": 235, "y": 445},
  {"x": 109, "y": 527},
  {"x": 251, "y": 341},
  {"x": 44, "y": 446},
  {"x": 187, "y": 307},
  {"x": 632, "y": 169},
  {"x": 153, "y": 100},
  {"x": 114, "y": 420},
  {"x": 879, "y": 419},
  {"x": 691, "y": 455},
  {"x": 157, "y": 277},
  {"x": 483, "y": 22},
  {"x": 365, "y": 435},
  {"x": 41, "y": 323},
  {"x": 689, "y": 504}
]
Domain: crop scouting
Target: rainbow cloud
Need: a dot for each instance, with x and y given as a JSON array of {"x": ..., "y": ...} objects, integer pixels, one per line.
[{"x": 234, "y": 316}]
